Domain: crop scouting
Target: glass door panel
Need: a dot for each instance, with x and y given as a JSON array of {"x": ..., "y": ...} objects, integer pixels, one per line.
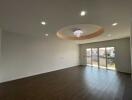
[
  {"x": 88, "y": 54},
  {"x": 110, "y": 58},
  {"x": 102, "y": 57},
  {"x": 95, "y": 57}
]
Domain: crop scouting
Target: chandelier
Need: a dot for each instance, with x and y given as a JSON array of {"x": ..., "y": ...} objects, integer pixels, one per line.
[{"x": 77, "y": 32}]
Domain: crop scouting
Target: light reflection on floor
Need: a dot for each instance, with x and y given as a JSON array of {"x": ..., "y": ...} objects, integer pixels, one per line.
[{"x": 100, "y": 79}]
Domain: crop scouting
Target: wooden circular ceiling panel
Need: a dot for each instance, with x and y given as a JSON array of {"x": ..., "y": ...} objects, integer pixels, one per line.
[{"x": 89, "y": 31}]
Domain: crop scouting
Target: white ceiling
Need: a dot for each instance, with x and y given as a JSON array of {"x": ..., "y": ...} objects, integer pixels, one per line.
[{"x": 24, "y": 16}]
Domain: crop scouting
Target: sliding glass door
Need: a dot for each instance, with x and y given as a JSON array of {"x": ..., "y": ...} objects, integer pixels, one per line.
[
  {"x": 103, "y": 57},
  {"x": 88, "y": 55},
  {"x": 110, "y": 57},
  {"x": 95, "y": 57}
]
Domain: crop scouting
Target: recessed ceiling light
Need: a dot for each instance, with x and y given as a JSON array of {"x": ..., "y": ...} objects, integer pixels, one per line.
[
  {"x": 109, "y": 35},
  {"x": 46, "y": 35},
  {"x": 114, "y": 24},
  {"x": 43, "y": 23},
  {"x": 83, "y": 13}
]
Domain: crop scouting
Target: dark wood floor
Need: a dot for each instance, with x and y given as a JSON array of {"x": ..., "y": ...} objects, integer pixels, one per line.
[{"x": 76, "y": 83}]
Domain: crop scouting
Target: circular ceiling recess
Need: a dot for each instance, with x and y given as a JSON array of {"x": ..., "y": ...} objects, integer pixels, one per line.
[{"x": 80, "y": 32}]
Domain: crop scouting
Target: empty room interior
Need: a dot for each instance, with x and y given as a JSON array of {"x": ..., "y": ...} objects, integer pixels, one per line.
[{"x": 65, "y": 50}]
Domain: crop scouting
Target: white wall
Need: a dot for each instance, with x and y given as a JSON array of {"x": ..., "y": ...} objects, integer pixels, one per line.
[
  {"x": 24, "y": 55},
  {"x": 131, "y": 46},
  {"x": 0, "y": 43}
]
